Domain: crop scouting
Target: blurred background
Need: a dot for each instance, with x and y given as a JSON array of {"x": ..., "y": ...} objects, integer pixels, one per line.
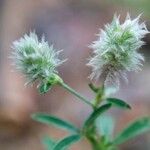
[{"x": 70, "y": 25}]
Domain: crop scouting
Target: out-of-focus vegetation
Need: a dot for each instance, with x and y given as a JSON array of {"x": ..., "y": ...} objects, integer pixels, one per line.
[{"x": 140, "y": 6}]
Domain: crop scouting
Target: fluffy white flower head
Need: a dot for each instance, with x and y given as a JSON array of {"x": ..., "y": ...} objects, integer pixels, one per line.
[
  {"x": 36, "y": 59},
  {"x": 116, "y": 50}
]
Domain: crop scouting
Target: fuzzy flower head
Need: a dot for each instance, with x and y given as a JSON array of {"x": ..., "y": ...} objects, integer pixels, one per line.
[
  {"x": 35, "y": 59},
  {"x": 116, "y": 50}
]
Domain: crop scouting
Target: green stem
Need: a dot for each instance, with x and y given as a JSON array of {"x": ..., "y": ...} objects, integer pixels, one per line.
[
  {"x": 99, "y": 96},
  {"x": 95, "y": 139},
  {"x": 68, "y": 88},
  {"x": 94, "y": 143}
]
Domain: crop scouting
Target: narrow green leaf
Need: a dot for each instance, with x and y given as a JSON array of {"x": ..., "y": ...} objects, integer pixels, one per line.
[
  {"x": 119, "y": 103},
  {"x": 97, "y": 113},
  {"x": 66, "y": 142},
  {"x": 44, "y": 87},
  {"x": 93, "y": 87},
  {"x": 105, "y": 126},
  {"x": 134, "y": 129},
  {"x": 52, "y": 120},
  {"x": 48, "y": 142}
]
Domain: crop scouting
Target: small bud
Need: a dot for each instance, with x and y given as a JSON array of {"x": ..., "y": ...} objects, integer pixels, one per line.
[
  {"x": 36, "y": 59},
  {"x": 116, "y": 50}
]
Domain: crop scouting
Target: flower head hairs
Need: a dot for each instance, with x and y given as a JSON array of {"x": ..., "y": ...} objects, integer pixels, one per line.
[
  {"x": 36, "y": 59},
  {"x": 116, "y": 50}
]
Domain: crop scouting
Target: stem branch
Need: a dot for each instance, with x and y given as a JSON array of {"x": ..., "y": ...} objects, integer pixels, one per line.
[{"x": 68, "y": 88}]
